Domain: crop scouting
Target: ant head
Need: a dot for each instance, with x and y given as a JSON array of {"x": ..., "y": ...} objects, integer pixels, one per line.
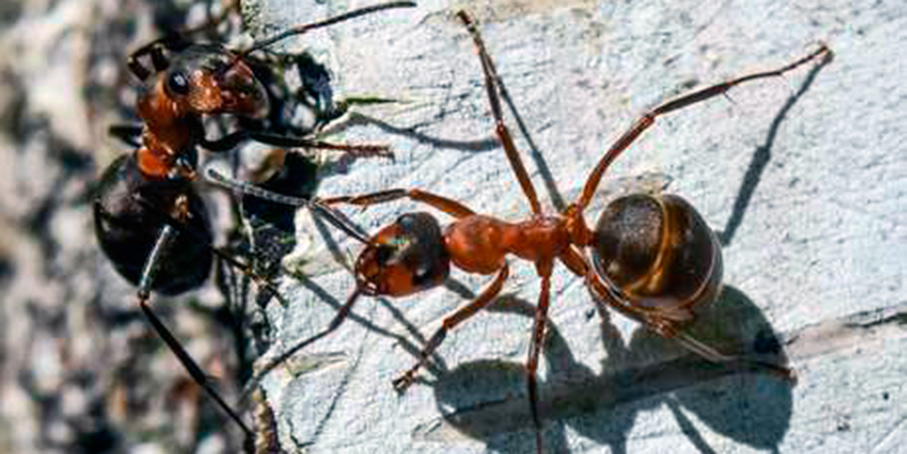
[
  {"x": 404, "y": 258},
  {"x": 209, "y": 79}
]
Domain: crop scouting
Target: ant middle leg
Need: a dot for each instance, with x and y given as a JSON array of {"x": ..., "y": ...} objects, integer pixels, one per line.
[
  {"x": 449, "y": 322},
  {"x": 535, "y": 348},
  {"x": 166, "y": 239}
]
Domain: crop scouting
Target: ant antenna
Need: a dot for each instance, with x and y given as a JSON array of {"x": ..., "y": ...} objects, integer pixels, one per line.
[
  {"x": 305, "y": 28},
  {"x": 301, "y": 29},
  {"x": 334, "y": 217}
]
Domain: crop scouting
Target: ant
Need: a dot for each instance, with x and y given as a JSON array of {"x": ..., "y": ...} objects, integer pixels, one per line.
[
  {"x": 149, "y": 221},
  {"x": 654, "y": 258}
]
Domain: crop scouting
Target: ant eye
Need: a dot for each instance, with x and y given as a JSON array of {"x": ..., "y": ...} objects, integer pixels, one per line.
[
  {"x": 178, "y": 83},
  {"x": 385, "y": 253},
  {"x": 406, "y": 220}
]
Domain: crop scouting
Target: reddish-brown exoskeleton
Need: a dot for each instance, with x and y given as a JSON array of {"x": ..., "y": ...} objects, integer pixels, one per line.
[
  {"x": 149, "y": 220},
  {"x": 654, "y": 258}
]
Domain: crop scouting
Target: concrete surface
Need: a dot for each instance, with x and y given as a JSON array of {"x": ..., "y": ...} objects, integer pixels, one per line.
[{"x": 805, "y": 176}]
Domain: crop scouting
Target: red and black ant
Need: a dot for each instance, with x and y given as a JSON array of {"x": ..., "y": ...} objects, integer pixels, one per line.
[
  {"x": 654, "y": 258},
  {"x": 149, "y": 220}
]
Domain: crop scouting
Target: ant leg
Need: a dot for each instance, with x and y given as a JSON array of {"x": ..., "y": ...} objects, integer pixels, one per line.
[
  {"x": 574, "y": 260},
  {"x": 541, "y": 319},
  {"x": 648, "y": 119},
  {"x": 230, "y": 141},
  {"x": 661, "y": 322},
  {"x": 138, "y": 69},
  {"x": 152, "y": 263},
  {"x": 126, "y": 133},
  {"x": 173, "y": 224},
  {"x": 495, "y": 101},
  {"x": 155, "y": 49},
  {"x": 463, "y": 313},
  {"x": 449, "y": 206},
  {"x": 694, "y": 345}
]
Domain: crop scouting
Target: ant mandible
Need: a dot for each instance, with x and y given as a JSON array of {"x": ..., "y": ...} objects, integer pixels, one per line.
[
  {"x": 149, "y": 220},
  {"x": 654, "y": 257}
]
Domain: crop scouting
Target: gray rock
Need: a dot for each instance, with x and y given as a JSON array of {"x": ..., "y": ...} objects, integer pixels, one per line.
[{"x": 803, "y": 174}]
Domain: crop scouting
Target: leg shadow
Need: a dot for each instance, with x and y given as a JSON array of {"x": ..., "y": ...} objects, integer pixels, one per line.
[
  {"x": 760, "y": 160},
  {"x": 489, "y": 401},
  {"x": 489, "y": 396}
]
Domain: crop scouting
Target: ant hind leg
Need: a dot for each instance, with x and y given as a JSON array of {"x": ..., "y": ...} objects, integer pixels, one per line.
[{"x": 823, "y": 54}]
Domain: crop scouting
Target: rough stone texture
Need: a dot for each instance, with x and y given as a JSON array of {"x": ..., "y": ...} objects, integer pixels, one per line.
[
  {"x": 808, "y": 192},
  {"x": 804, "y": 175}
]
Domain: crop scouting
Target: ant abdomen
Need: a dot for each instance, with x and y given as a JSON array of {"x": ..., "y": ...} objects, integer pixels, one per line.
[
  {"x": 659, "y": 251},
  {"x": 128, "y": 223},
  {"x": 405, "y": 257}
]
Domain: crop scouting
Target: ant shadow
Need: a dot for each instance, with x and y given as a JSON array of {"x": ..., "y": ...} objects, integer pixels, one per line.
[
  {"x": 761, "y": 157},
  {"x": 647, "y": 372},
  {"x": 410, "y": 132}
]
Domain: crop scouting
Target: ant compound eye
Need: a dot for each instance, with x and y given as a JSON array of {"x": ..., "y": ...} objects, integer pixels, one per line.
[
  {"x": 407, "y": 220},
  {"x": 178, "y": 83},
  {"x": 385, "y": 253}
]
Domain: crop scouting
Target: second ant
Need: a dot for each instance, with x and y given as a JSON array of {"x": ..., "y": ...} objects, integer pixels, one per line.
[{"x": 149, "y": 219}]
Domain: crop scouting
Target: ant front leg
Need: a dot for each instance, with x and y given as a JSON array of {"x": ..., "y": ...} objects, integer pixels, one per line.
[
  {"x": 647, "y": 120},
  {"x": 481, "y": 302},
  {"x": 155, "y": 50},
  {"x": 491, "y": 86}
]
